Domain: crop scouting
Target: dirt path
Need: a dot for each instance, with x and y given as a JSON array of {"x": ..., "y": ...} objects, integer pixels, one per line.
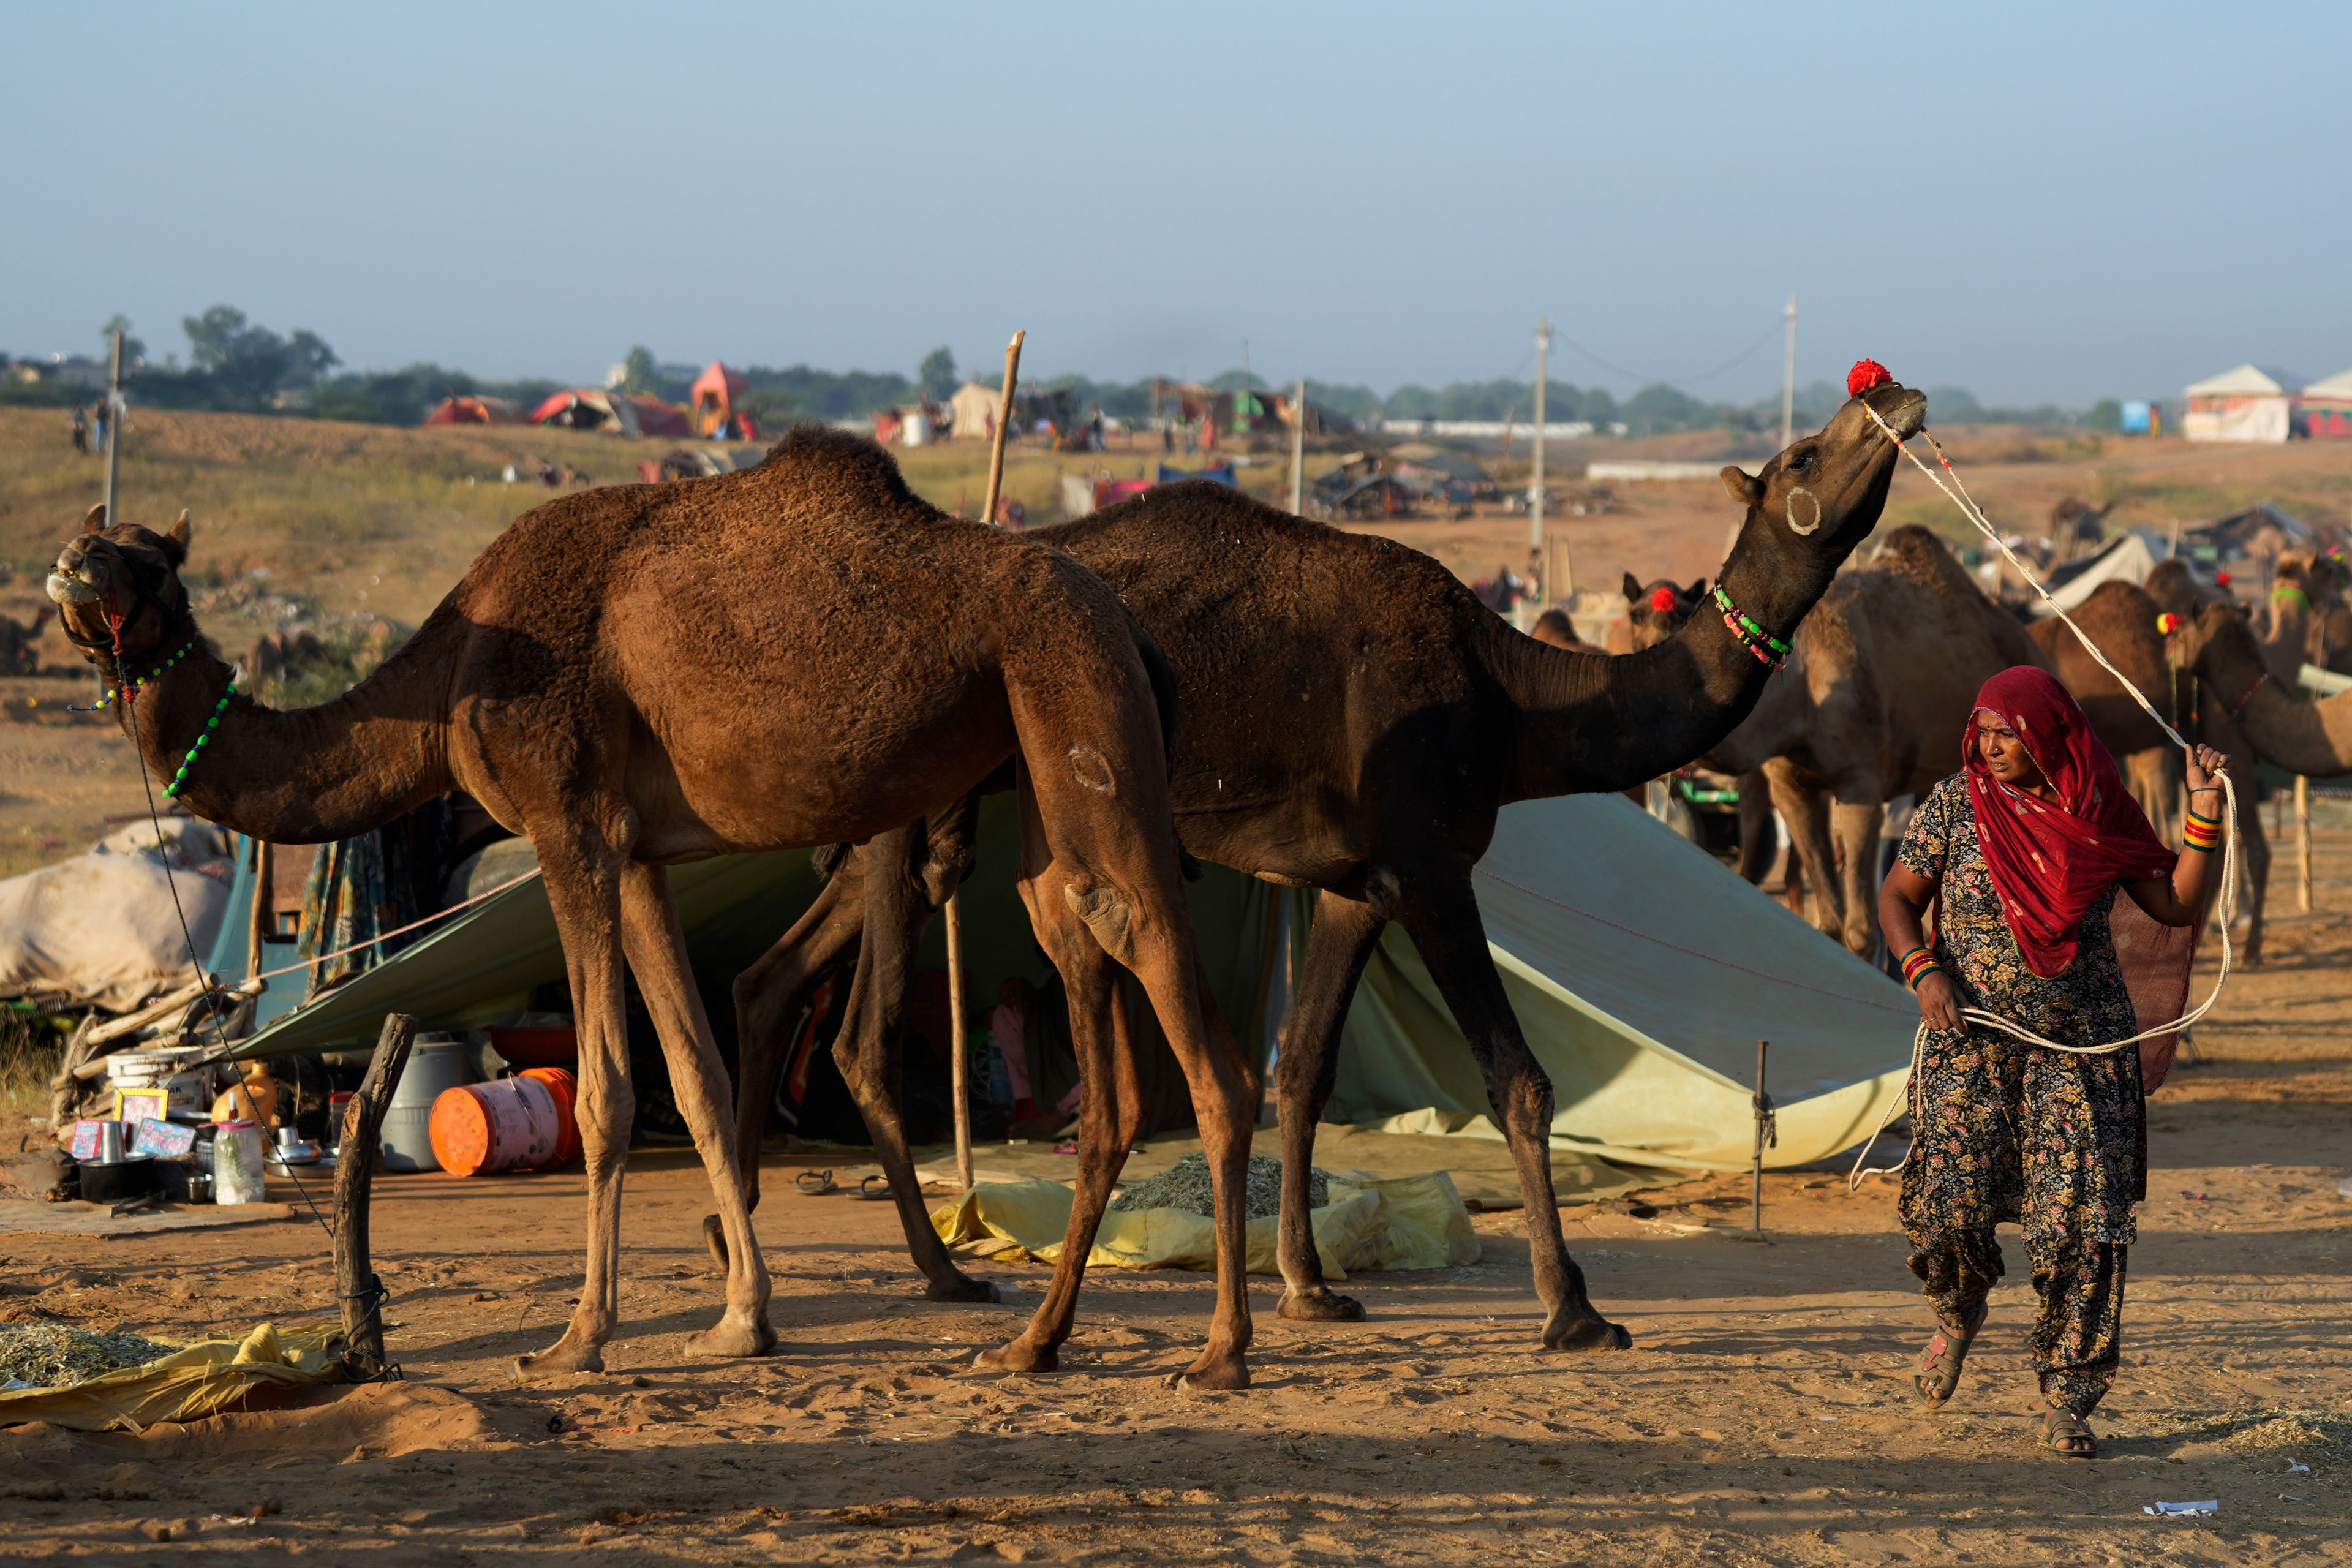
[{"x": 1764, "y": 1415}]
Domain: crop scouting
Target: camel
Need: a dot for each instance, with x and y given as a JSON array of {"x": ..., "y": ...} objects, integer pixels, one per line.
[
  {"x": 2121, "y": 620},
  {"x": 796, "y": 654},
  {"x": 1371, "y": 719},
  {"x": 2309, "y": 622}
]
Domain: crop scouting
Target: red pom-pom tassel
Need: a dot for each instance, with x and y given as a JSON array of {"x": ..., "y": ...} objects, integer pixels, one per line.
[
  {"x": 1865, "y": 374},
  {"x": 1662, "y": 600}
]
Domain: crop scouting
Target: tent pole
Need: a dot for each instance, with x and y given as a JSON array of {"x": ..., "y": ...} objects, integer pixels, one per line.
[
  {"x": 959, "y": 1067},
  {"x": 1765, "y": 1128}
]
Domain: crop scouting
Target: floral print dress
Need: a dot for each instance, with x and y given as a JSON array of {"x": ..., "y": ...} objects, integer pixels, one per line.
[{"x": 2011, "y": 1132}]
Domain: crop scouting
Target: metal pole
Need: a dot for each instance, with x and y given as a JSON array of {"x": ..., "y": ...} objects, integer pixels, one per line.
[
  {"x": 113, "y": 430},
  {"x": 2303, "y": 839},
  {"x": 1299, "y": 451},
  {"x": 1535, "y": 483},
  {"x": 1766, "y": 1127},
  {"x": 1789, "y": 379}
]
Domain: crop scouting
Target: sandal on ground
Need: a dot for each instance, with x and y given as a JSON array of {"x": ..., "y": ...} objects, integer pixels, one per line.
[
  {"x": 873, "y": 1188},
  {"x": 1947, "y": 1352},
  {"x": 2064, "y": 1432},
  {"x": 815, "y": 1184}
]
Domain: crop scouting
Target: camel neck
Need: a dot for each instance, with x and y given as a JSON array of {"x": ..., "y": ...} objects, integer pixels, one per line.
[
  {"x": 2301, "y": 736},
  {"x": 305, "y": 776}
]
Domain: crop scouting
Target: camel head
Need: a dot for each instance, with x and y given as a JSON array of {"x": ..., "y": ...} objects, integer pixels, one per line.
[
  {"x": 1822, "y": 496},
  {"x": 2219, "y": 630},
  {"x": 1656, "y": 611},
  {"x": 125, "y": 571}
]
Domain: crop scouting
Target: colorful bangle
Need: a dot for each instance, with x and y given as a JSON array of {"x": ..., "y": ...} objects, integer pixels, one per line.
[
  {"x": 1916, "y": 963},
  {"x": 2203, "y": 837}
]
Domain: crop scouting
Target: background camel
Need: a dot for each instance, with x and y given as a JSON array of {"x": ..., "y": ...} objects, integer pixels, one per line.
[
  {"x": 637, "y": 677},
  {"x": 2121, "y": 620},
  {"x": 1369, "y": 719}
]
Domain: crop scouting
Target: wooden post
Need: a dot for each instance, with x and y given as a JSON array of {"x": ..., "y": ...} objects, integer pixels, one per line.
[
  {"x": 114, "y": 432},
  {"x": 264, "y": 872},
  {"x": 1765, "y": 1128},
  {"x": 1536, "y": 480},
  {"x": 1299, "y": 451},
  {"x": 959, "y": 1069},
  {"x": 2303, "y": 839},
  {"x": 357, "y": 1289}
]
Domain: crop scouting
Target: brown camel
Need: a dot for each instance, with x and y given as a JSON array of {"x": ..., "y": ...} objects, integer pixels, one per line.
[
  {"x": 2121, "y": 620},
  {"x": 1370, "y": 718},
  {"x": 2309, "y": 622},
  {"x": 797, "y": 654},
  {"x": 1554, "y": 630}
]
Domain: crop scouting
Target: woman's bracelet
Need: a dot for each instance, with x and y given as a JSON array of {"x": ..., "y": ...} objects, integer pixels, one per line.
[
  {"x": 2202, "y": 834},
  {"x": 1915, "y": 964}
]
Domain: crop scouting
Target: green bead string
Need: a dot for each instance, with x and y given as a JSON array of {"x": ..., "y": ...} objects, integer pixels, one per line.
[
  {"x": 181, "y": 778},
  {"x": 141, "y": 683},
  {"x": 1753, "y": 630}
]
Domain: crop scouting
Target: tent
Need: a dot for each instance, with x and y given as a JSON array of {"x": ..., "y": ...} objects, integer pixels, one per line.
[
  {"x": 972, "y": 412},
  {"x": 615, "y": 412},
  {"x": 472, "y": 411},
  {"x": 2325, "y": 407},
  {"x": 715, "y": 415},
  {"x": 2248, "y": 404},
  {"x": 2127, "y": 558},
  {"x": 1642, "y": 970}
]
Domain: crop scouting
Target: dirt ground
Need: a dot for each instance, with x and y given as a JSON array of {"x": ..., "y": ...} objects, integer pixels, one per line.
[{"x": 1764, "y": 1415}]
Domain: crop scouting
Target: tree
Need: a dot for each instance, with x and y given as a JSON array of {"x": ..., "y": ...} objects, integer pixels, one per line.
[
  {"x": 308, "y": 358},
  {"x": 2106, "y": 414},
  {"x": 937, "y": 374},
  {"x": 133, "y": 351},
  {"x": 638, "y": 369}
]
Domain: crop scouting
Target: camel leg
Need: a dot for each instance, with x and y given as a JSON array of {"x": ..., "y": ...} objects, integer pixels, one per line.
[
  {"x": 584, "y": 893},
  {"x": 869, "y": 1048},
  {"x": 1855, "y": 825},
  {"x": 2254, "y": 856},
  {"x": 1758, "y": 842},
  {"x": 767, "y": 999},
  {"x": 1441, "y": 914},
  {"x": 656, "y": 945},
  {"x": 1110, "y": 1118},
  {"x": 1806, "y": 809},
  {"x": 1339, "y": 943}
]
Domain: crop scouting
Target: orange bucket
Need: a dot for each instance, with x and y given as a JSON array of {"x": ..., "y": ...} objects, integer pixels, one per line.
[
  {"x": 503, "y": 1125},
  {"x": 565, "y": 1088}
]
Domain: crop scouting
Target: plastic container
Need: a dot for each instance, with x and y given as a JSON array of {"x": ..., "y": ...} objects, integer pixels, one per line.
[
  {"x": 481, "y": 1128},
  {"x": 190, "y": 1088},
  {"x": 237, "y": 1155},
  {"x": 566, "y": 1091},
  {"x": 435, "y": 1062}
]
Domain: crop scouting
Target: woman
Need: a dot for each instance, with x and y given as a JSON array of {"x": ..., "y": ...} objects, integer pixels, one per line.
[{"x": 2023, "y": 850}]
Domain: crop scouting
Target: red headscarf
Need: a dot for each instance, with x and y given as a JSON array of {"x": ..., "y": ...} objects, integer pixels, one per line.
[{"x": 2051, "y": 863}]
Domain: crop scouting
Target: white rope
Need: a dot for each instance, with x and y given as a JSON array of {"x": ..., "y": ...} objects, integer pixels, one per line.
[{"x": 2227, "y": 899}]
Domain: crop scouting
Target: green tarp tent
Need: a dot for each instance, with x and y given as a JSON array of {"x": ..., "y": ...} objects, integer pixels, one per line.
[{"x": 1642, "y": 970}]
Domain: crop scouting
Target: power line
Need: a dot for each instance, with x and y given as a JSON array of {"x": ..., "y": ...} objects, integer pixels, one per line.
[{"x": 1724, "y": 369}]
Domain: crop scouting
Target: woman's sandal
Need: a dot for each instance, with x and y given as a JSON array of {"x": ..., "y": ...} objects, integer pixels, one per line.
[
  {"x": 2073, "y": 1438},
  {"x": 815, "y": 1184},
  {"x": 1939, "y": 1367}
]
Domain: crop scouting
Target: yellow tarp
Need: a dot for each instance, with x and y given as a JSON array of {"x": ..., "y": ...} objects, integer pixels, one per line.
[
  {"x": 1403, "y": 1222},
  {"x": 196, "y": 1381}
]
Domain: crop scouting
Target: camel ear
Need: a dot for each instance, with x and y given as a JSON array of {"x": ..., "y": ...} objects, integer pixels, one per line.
[
  {"x": 95, "y": 519},
  {"x": 1633, "y": 589},
  {"x": 1696, "y": 591},
  {"x": 175, "y": 538},
  {"x": 1745, "y": 488}
]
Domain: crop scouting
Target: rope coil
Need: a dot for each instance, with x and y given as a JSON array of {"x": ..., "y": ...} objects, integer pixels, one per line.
[{"x": 2227, "y": 897}]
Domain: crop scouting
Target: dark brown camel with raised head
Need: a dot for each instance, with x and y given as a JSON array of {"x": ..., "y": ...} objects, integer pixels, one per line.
[
  {"x": 802, "y": 653},
  {"x": 1358, "y": 721}
]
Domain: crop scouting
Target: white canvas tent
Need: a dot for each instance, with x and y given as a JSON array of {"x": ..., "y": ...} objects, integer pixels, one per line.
[
  {"x": 972, "y": 412},
  {"x": 2127, "y": 558},
  {"x": 2248, "y": 404},
  {"x": 1641, "y": 972}
]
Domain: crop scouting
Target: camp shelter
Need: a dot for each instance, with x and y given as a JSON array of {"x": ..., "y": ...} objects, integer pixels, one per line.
[
  {"x": 613, "y": 413},
  {"x": 712, "y": 404},
  {"x": 972, "y": 412},
  {"x": 1642, "y": 970},
  {"x": 2248, "y": 404},
  {"x": 2324, "y": 409},
  {"x": 2127, "y": 558},
  {"x": 473, "y": 411}
]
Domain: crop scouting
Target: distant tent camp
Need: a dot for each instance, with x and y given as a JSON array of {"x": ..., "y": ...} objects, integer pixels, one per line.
[
  {"x": 2325, "y": 407},
  {"x": 2248, "y": 404},
  {"x": 715, "y": 415},
  {"x": 1642, "y": 970},
  {"x": 972, "y": 412},
  {"x": 613, "y": 413},
  {"x": 473, "y": 411}
]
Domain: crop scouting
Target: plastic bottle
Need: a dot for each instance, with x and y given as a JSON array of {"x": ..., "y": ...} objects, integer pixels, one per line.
[{"x": 236, "y": 1162}]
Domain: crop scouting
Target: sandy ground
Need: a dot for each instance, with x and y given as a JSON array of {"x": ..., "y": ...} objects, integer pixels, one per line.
[{"x": 1764, "y": 1415}]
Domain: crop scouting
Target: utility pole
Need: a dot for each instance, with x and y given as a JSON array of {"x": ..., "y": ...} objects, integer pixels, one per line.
[
  {"x": 1299, "y": 451},
  {"x": 1566, "y": 587},
  {"x": 1245, "y": 370},
  {"x": 113, "y": 430},
  {"x": 1789, "y": 379}
]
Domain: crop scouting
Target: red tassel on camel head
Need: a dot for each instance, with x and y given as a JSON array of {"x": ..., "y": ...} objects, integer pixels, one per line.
[
  {"x": 1662, "y": 599},
  {"x": 1865, "y": 374}
]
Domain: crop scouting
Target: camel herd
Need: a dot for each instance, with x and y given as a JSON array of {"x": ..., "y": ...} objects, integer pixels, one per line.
[{"x": 805, "y": 654}]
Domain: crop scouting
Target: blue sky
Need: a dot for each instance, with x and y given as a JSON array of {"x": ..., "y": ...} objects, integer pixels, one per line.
[{"x": 2038, "y": 203}]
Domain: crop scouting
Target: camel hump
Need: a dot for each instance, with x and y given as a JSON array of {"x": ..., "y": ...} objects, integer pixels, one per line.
[
  {"x": 836, "y": 466},
  {"x": 1920, "y": 552}
]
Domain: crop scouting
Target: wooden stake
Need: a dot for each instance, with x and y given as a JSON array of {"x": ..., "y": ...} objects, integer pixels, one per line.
[
  {"x": 960, "y": 1071},
  {"x": 2303, "y": 839},
  {"x": 1766, "y": 1127},
  {"x": 357, "y": 1289},
  {"x": 1299, "y": 451}
]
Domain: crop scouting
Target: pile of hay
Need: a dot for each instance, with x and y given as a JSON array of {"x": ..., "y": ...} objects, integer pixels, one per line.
[
  {"x": 50, "y": 1355},
  {"x": 2290, "y": 1429},
  {"x": 1185, "y": 1185}
]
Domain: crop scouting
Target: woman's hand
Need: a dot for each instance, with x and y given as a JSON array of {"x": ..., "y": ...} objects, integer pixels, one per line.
[
  {"x": 1940, "y": 1000},
  {"x": 2205, "y": 765}
]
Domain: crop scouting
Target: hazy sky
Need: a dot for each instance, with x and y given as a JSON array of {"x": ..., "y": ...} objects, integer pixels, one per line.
[{"x": 2036, "y": 202}]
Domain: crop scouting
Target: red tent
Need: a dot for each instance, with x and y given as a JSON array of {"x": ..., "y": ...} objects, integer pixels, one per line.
[
  {"x": 713, "y": 398},
  {"x": 472, "y": 411}
]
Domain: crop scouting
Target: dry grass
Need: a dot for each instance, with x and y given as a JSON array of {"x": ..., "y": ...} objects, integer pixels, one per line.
[{"x": 31, "y": 1045}]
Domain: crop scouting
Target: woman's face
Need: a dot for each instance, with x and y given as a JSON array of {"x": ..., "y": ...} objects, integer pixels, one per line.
[{"x": 2004, "y": 754}]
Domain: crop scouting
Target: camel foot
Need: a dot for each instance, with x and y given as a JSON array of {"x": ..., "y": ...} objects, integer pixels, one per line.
[
  {"x": 714, "y": 1237},
  {"x": 1320, "y": 1305},
  {"x": 562, "y": 1356},
  {"x": 1585, "y": 1331},
  {"x": 1215, "y": 1372},
  {"x": 961, "y": 1286},
  {"x": 1019, "y": 1356},
  {"x": 732, "y": 1339}
]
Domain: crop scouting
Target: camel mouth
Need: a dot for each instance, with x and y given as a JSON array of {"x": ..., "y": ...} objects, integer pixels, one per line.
[
  {"x": 69, "y": 590},
  {"x": 1904, "y": 408}
]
